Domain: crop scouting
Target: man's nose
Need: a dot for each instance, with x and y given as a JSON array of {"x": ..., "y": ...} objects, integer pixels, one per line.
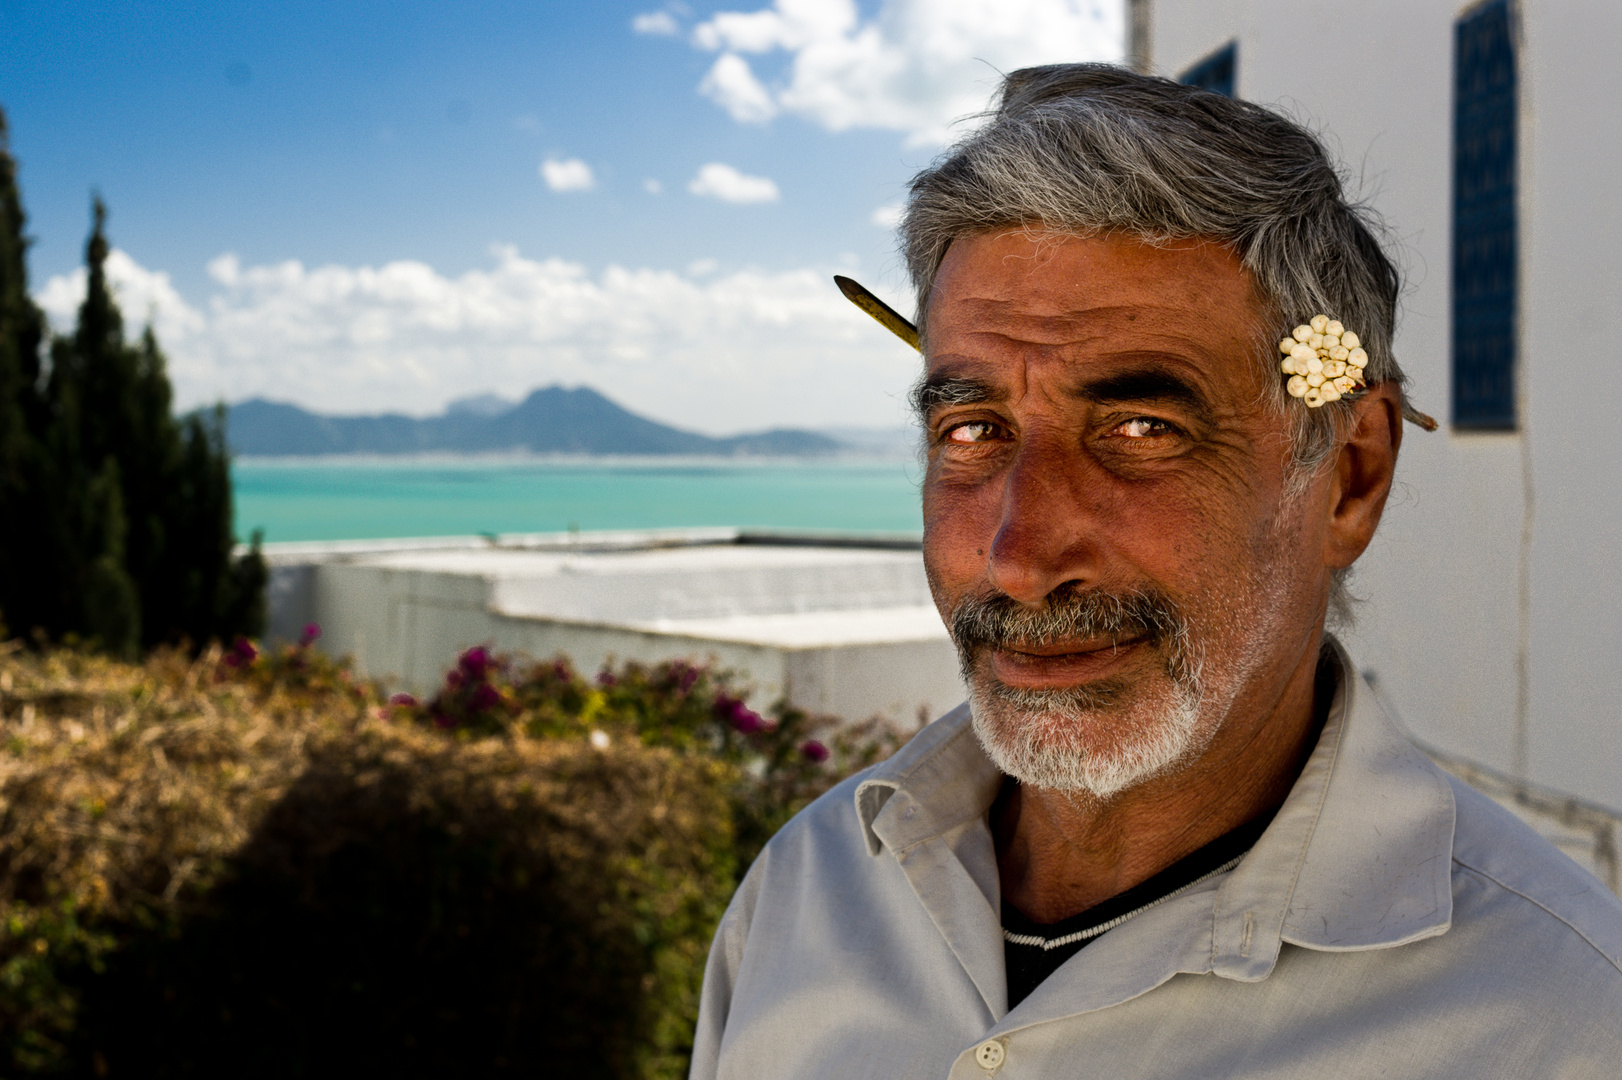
[{"x": 1051, "y": 528}]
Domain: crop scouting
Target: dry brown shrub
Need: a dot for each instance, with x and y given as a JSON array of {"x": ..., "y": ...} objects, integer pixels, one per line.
[
  {"x": 195, "y": 860},
  {"x": 122, "y": 784}
]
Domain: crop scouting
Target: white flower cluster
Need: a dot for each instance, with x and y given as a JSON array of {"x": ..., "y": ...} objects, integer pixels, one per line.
[{"x": 1324, "y": 361}]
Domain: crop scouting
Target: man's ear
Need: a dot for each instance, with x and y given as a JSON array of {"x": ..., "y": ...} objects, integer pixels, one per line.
[{"x": 1363, "y": 472}]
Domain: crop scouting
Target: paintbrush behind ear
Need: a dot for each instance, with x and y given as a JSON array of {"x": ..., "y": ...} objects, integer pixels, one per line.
[{"x": 885, "y": 314}]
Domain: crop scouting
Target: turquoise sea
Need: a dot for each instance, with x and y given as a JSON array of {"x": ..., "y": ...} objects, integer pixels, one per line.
[{"x": 348, "y": 499}]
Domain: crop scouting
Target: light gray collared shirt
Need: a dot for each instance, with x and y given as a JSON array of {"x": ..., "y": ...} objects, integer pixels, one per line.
[{"x": 1391, "y": 922}]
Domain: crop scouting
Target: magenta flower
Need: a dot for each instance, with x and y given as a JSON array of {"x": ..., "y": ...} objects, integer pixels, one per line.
[
  {"x": 606, "y": 678},
  {"x": 486, "y": 697},
  {"x": 403, "y": 699},
  {"x": 814, "y": 751},
  {"x": 242, "y": 652},
  {"x": 312, "y": 632},
  {"x": 476, "y": 661},
  {"x": 743, "y": 719}
]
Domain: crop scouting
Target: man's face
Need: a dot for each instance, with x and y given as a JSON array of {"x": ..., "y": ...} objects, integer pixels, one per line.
[{"x": 1107, "y": 531}]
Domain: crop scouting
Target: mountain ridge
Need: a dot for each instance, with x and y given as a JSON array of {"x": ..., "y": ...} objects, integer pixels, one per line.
[{"x": 551, "y": 420}]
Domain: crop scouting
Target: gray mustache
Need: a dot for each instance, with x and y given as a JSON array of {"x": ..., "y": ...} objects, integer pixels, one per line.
[{"x": 1069, "y": 613}]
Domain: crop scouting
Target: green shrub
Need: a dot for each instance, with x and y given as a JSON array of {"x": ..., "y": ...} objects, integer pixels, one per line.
[{"x": 247, "y": 865}]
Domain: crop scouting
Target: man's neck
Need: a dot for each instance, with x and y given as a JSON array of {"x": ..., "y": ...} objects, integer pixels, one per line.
[{"x": 1060, "y": 853}]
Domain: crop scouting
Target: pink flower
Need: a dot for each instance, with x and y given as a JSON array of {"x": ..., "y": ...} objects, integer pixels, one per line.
[
  {"x": 403, "y": 699},
  {"x": 743, "y": 719},
  {"x": 242, "y": 652},
  {"x": 476, "y": 661},
  {"x": 606, "y": 678},
  {"x": 312, "y": 632},
  {"x": 486, "y": 696},
  {"x": 814, "y": 751}
]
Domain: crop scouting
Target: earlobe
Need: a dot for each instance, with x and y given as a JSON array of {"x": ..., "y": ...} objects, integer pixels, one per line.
[{"x": 1364, "y": 468}]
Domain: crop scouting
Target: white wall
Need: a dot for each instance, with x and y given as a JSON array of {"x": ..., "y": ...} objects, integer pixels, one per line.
[
  {"x": 1531, "y": 689},
  {"x": 850, "y": 632},
  {"x": 1572, "y": 288}
]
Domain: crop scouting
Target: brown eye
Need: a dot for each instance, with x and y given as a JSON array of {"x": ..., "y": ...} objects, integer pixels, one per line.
[
  {"x": 1143, "y": 427},
  {"x": 974, "y": 432}
]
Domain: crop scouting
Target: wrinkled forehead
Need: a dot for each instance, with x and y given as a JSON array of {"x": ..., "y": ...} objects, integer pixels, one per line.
[
  {"x": 1024, "y": 296},
  {"x": 1061, "y": 272}
]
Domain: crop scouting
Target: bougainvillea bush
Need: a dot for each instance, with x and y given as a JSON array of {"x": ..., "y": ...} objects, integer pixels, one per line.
[
  {"x": 248, "y": 863},
  {"x": 781, "y": 760}
]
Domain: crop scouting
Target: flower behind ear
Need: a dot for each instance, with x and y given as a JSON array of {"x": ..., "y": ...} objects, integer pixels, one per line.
[{"x": 1324, "y": 361}]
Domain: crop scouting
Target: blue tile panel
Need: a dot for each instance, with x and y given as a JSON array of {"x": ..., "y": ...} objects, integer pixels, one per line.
[
  {"x": 1485, "y": 230},
  {"x": 1216, "y": 72}
]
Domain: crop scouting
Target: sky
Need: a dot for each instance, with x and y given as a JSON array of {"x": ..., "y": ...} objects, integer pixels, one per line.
[{"x": 363, "y": 207}]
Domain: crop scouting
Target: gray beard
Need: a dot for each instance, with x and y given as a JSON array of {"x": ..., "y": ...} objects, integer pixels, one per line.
[
  {"x": 1041, "y": 737},
  {"x": 1035, "y": 736}
]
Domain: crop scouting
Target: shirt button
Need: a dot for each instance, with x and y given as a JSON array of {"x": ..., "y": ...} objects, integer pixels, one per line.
[{"x": 989, "y": 1055}]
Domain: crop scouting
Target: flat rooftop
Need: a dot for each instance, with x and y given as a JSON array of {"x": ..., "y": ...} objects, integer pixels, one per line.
[{"x": 790, "y": 590}]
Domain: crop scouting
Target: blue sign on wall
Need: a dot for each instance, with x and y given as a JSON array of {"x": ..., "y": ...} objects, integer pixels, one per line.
[
  {"x": 1216, "y": 72},
  {"x": 1485, "y": 231}
]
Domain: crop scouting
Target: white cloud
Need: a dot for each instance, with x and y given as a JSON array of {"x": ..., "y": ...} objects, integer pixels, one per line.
[
  {"x": 718, "y": 181},
  {"x": 656, "y": 22},
  {"x": 652, "y": 186},
  {"x": 734, "y": 87},
  {"x": 726, "y": 353},
  {"x": 787, "y": 24},
  {"x": 887, "y": 217},
  {"x": 916, "y": 66},
  {"x": 570, "y": 175},
  {"x": 703, "y": 267}
]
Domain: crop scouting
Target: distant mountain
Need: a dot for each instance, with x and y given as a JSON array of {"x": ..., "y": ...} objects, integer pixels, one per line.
[
  {"x": 481, "y": 405},
  {"x": 550, "y": 421}
]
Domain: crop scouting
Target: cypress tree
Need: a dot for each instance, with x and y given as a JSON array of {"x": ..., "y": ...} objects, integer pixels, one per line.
[
  {"x": 22, "y": 326},
  {"x": 117, "y": 515},
  {"x": 102, "y": 462},
  {"x": 212, "y": 594},
  {"x": 24, "y": 479}
]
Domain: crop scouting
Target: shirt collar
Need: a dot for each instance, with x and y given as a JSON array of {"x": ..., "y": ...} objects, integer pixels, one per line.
[
  {"x": 1359, "y": 855},
  {"x": 942, "y": 777}
]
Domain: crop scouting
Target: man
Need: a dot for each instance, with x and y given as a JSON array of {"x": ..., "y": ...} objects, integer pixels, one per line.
[{"x": 1171, "y": 834}]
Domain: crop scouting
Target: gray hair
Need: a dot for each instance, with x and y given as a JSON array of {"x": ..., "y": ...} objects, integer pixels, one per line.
[{"x": 1083, "y": 149}]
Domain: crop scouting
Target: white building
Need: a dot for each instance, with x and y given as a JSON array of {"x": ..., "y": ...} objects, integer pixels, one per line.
[
  {"x": 1489, "y": 137},
  {"x": 843, "y": 626}
]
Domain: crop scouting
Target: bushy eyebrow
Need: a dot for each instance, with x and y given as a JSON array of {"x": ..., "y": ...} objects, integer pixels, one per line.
[
  {"x": 937, "y": 391},
  {"x": 1144, "y": 385}
]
